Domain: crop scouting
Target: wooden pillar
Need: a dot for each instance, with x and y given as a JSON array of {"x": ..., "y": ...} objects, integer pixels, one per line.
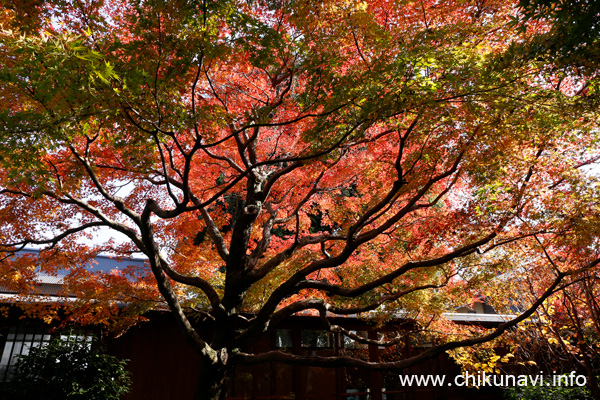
[
  {"x": 339, "y": 371},
  {"x": 410, "y": 391},
  {"x": 376, "y": 378},
  {"x": 299, "y": 380}
]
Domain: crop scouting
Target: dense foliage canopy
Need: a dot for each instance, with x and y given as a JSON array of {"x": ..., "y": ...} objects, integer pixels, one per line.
[{"x": 396, "y": 158}]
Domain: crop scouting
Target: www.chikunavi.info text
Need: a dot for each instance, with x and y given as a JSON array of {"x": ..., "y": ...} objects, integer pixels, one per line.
[{"x": 482, "y": 379}]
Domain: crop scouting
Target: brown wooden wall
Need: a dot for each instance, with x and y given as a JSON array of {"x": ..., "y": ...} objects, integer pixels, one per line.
[{"x": 164, "y": 366}]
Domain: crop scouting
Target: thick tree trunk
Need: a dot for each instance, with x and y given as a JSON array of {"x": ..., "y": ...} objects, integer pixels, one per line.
[{"x": 212, "y": 382}]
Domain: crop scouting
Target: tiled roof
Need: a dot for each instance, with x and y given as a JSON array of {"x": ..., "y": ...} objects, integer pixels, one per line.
[{"x": 52, "y": 284}]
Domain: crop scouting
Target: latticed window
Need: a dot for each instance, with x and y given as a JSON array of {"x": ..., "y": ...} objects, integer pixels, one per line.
[
  {"x": 350, "y": 343},
  {"x": 316, "y": 339},
  {"x": 283, "y": 338},
  {"x": 20, "y": 339}
]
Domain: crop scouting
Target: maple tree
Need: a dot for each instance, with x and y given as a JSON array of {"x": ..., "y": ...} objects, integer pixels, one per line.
[
  {"x": 277, "y": 157},
  {"x": 567, "y": 334},
  {"x": 573, "y": 24},
  {"x": 563, "y": 335}
]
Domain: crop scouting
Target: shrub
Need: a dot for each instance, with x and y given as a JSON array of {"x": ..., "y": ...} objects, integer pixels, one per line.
[
  {"x": 68, "y": 370},
  {"x": 548, "y": 393}
]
